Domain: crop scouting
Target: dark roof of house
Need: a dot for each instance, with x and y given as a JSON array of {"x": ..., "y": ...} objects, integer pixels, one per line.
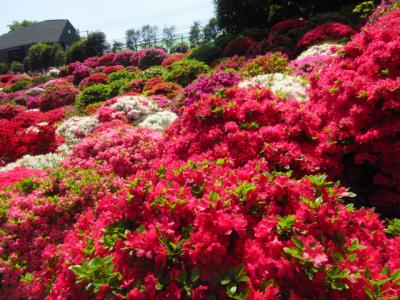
[{"x": 46, "y": 32}]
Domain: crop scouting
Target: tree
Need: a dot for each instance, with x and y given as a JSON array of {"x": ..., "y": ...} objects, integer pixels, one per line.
[
  {"x": 77, "y": 51},
  {"x": 195, "y": 34},
  {"x": 169, "y": 36},
  {"x": 57, "y": 56},
  {"x": 16, "y": 67},
  {"x": 17, "y": 25},
  {"x": 39, "y": 57},
  {"x": 96, "y": 44},
  {"x": 148, "y": 35},
  {"x": 117, "y": 46},
  {"x": 132, "y": 39},
  {"x": 211, "y": 31},
  {"x": 235, "y": 16}
]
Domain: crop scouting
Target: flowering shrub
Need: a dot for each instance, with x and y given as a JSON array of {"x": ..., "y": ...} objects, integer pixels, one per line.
[
  {"x": 37, "y": 162},
  {"x": 16, "y": 141},
  {"x": 329, "y": 32},
  {"x": 92, "y": 62},
  {"x": 96, "y": 78},
  {"x": 123, "y": 58},
  {"x": 306, "y": 66},
  {"x": 231, "y": 63},
  {"x": 120, "y": 148},
  {"x": 76, "y": 128},
  {"x": 326, "y": 49},
  {"x": 78, "y": 71},
  {"x": 185, "y": 71},
  {"x": 14, "y": 175},
  {"x": 111, "y": 69},
  {"x": 132, "y": 109},
  {"x": 35, "y": 219},
  {"x": 57, "y": 96},
  {"x": 226, "y": 201},
  {"x": 229, "y": 230},
  {"x": 152, "y": 82},
  {"x": 147, "y": 58},
  {"x": 286, "y": 33},
  {"x": 106, "y": 59},
  {"x": 357, "y": 97},
  {"x": 209, "y": 84},
  {"x": 159, "y": 121},
  {"x": 283, "y": 85},
  {"x": 10, "y": 111},
  {"x": 135, "y": 86},
  {"x": 238, "y": 46},
  {"x": 167, "y": 89},
  {"x": 274, "y": 62},
  {"x": 173, "y": 58},
  {"x": 155, "y": 71}
]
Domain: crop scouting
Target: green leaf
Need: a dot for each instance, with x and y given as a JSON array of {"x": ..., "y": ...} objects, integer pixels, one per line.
[
  {"x": 393, "y": 227},
  {"x": 28, "y": 277}
]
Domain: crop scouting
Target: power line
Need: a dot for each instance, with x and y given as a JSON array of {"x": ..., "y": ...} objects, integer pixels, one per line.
[{"x": 152, "y": 18}]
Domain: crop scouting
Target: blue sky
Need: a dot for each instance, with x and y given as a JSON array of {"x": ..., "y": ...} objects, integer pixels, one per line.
[{"x": 113, "y": 17}]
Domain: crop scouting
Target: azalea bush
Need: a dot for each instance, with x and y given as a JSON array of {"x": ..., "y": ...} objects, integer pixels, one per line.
[
  {"x": 57, "y": 96},
  {"x": 330, "y": 32},
  {"x": 257, "y": 177},
  {"x": 185, "y": 71},
  {"x": 92, "y": 94},
  {"x": 357, "y": 98},
  {"x": 274, "y": 62}
]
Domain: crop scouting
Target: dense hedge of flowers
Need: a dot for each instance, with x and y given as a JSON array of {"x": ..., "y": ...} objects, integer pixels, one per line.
[
  {"x": 209, "y": 84},
  {"x": 358, "y": 96},
  {"x": 226, "y": 197},
  {"x": 28, "y": 132}
]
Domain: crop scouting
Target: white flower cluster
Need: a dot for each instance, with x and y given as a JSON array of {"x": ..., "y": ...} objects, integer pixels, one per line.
[
  {"x": 136, "y": 108},
  {"x": 40, "y": 162},
  {"x": 35, "y": 91},
  {"x": 319, "y": 50},
  {"x": 53, "y": 72},
  {"x": 76, "y": 128},
  {"x": 159, "y": 121},
  {"x": 282, "y": 85}
]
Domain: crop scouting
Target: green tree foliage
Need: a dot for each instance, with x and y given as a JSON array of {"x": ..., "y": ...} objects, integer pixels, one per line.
[
  {"x": 132, "y": 39},
  {"x": 77, "y": 51},
  {"x": 16, "y": 67},
  {"x": 211, "y": 31},
  {"x": 3, "y": 68},
  {"x": 96, "y": 44},
  {"x": 195, "y": 34},
  {"x": 236, "y": 15},
  {"x": 20, "y": 24},
  {"x": 41, "y": 56},
  {"x": 116, "y": 46},
  {"x": 169, "y": 36}
]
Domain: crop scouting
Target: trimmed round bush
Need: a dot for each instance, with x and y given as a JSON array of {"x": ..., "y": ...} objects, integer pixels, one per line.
[
  {"x": 330, "y": 32},
  {"x": 275, "y": 62},
  {"x": 155, "y": 71},
  {"x": 57, "y": 96},
  {"x": 206, "y": 53},
  {"x": 92, "y": 94},
  {"x": 186, "y": 71}
]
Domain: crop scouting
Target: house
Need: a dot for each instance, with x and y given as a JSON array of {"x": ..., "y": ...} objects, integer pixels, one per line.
[{"x": 14, "y": 45}]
